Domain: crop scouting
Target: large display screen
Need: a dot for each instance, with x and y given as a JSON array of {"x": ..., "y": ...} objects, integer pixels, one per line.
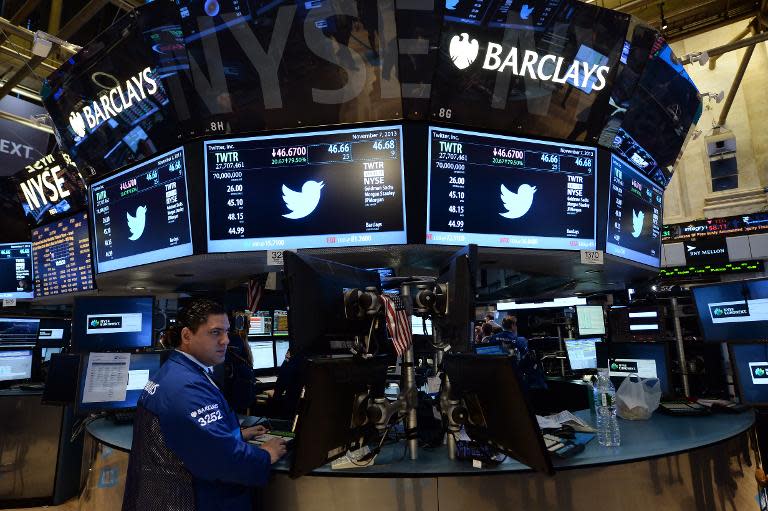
[
  {"x": 19, "y": 331},
  {"x": 141, "y": 215},
  {"x": 749, "y": 362},
  {"x": 659, "y": 116},
  {"x": 542, "y": 67},
  {"x": 16, "y": 273},
  {"x": 333, "y": 188},
  {"x": 112, "y": 323},
  {"x": 123, "y": 97},
  {"x": 61, "y": 252},
  {"x": 645, "y": 359},
  {"x": 634, "y": 215},
  {"x": 50, "y": 188},
  {"x": 733, "y": 311},
  {"x": 706, "y": 250},
  {"x": 491, "y": 189}
]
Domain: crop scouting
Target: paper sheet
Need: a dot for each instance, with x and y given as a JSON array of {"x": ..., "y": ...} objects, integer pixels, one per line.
[
  {"x": 555, "y": 421},
  {"x": 106, "y": 378}
]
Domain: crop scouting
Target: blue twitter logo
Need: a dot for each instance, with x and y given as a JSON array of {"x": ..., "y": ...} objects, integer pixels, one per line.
[
  {"x": 451, "y": 4},
  {"x": 637, "y": 223},
  {"x": 525, "y": 12},
  {"x": 136, "y": 223},
  {"x": 517, "y": 204},
  {"x": 302, "y": 203}
]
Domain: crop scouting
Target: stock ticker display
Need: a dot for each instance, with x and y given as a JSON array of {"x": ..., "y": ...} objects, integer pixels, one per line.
[
  {"x": 62, "y": 256},
  {"x": 494, "y": 191},
  {"x": 141, "y": 215},
  {"x": 634, "y": 215},
  {"x": 16, "y": 270},
  {"x": 333, "y": 188}
]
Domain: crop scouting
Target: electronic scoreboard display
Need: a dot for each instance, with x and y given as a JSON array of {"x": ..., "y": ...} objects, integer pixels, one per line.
[
  {"x": 634, "y": 215},
  {"x": 16, "y": 274},
  {"x": 496, "y": 191},
  {"x": 61, "y": 252},
  {"x": 141, "y": 215},
  {"x": 321, "y": 189}
]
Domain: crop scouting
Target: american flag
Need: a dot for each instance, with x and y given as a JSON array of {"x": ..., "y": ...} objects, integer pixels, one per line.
[
  {"x": 398, "y": 324},
  {"x": 255, "y": 290}
]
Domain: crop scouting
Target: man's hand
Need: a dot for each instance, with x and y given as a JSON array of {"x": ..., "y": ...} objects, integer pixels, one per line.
[
  {"x": 253, "y": 432},
  {"x": 275, "y": 447}
]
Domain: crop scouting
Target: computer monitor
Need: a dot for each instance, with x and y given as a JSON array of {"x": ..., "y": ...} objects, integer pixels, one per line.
[
  {"x": 460, "y": 274},
  {"x": 107, "y": 323},
  {"x": 54, "y": 332},
  {"x": 590, "y": 318},
  {"x": 636, "y": 323},
  {"x": 260, "y": 325},
  {"x": 498, "y": 411},
  {"x": 19, "y": 331},
  {"x": 582, "y": 353},
  {"x": 46, "y": 353},
  {"x": 646, "y": 359},
  {"x": 280, "y": 323},
  {"x": 733, "y": 311},
  {"x": 263, "y": 354},
  {"x": 749, "y": 362},
  {"x": 142, "y": 368},
  {"x": 281, "y": 348},
  {"x": 15, "y": 364},
  {"x": 332, "y": 417},
  {"x": 316, "y": 297},
  {"x": 61, "y": 383},
  {"x": 417, "y": 326},
  {"x": 16, "y": 271},
  {"x": 490, "y": 349}
]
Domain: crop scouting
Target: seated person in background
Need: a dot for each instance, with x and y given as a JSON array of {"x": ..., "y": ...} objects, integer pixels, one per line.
[
  {"x": 235, "y": 375},
  {"x": 509, "y": 338},
  {"x": 487, "y": 333},
  {"x": 284, "y": 399},
  {"x": 490, "y": 319},
  {"x": 526, "y": 363}
]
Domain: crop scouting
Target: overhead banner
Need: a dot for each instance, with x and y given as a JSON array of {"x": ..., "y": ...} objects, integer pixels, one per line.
[{"x": 50, "y": 188}]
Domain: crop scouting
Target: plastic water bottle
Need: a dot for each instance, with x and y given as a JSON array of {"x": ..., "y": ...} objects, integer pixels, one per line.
[{"x": 605, "y": 409}]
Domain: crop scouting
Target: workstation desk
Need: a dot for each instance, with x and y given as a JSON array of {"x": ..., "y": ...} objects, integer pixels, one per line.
[{"x": 665, "y": 463}]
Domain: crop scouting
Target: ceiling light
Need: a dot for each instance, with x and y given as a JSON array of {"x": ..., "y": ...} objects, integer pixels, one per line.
[{"x": 664, "y": 24}]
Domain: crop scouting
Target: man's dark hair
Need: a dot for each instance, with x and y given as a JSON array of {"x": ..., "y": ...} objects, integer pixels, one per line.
[
  {"x": 487, "y": 329},
  {"x": 490, "y": 316},
  {"x": 509, "y": 323},
  {"x": 194, "y": 314}
]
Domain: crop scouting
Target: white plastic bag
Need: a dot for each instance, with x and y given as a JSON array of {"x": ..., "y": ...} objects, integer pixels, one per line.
[{"x": 637, "y": 398}]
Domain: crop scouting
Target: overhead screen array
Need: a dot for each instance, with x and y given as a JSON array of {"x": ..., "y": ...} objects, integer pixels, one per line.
[
  {"x": 62, "y": 255},
  {"x": 333, "y": 188},
  {"x": 489, "y": 189},
  {"x": 141, "y": 215},
  {"x": 634, "y": 215}
]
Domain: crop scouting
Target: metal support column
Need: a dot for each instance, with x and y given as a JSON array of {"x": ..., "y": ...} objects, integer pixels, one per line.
[
  {"x": 410, "y": 393},
  {"x": 680, "y": 346}
]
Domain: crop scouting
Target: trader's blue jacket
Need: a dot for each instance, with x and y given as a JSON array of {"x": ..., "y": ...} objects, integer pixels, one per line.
[{"x": 200, "y": 428}]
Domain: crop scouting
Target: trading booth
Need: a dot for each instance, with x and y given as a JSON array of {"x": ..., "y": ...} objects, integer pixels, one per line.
[{"x": 364, "y": 150}]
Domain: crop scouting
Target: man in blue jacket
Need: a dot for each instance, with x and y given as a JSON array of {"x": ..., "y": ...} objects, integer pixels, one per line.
[{"x": 188, "y": 451}]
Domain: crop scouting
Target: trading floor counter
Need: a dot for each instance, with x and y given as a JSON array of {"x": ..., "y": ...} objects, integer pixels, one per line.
[{"x": 665, "y": 463}]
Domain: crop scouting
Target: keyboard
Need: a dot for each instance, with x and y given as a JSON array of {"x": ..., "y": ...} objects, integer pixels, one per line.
[{"x": 684, "y": 408}]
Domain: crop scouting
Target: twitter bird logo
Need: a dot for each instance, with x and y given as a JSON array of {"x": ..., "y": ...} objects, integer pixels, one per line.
[
  {"x": 517, "y": 204},
  {"x": 136, "y": 223},
  {"x": 304, "y": 202},
  {"x": 637, "y": 223},
  {"x": 451, "y": 4},
  {"x": 525, "y": 12}
]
